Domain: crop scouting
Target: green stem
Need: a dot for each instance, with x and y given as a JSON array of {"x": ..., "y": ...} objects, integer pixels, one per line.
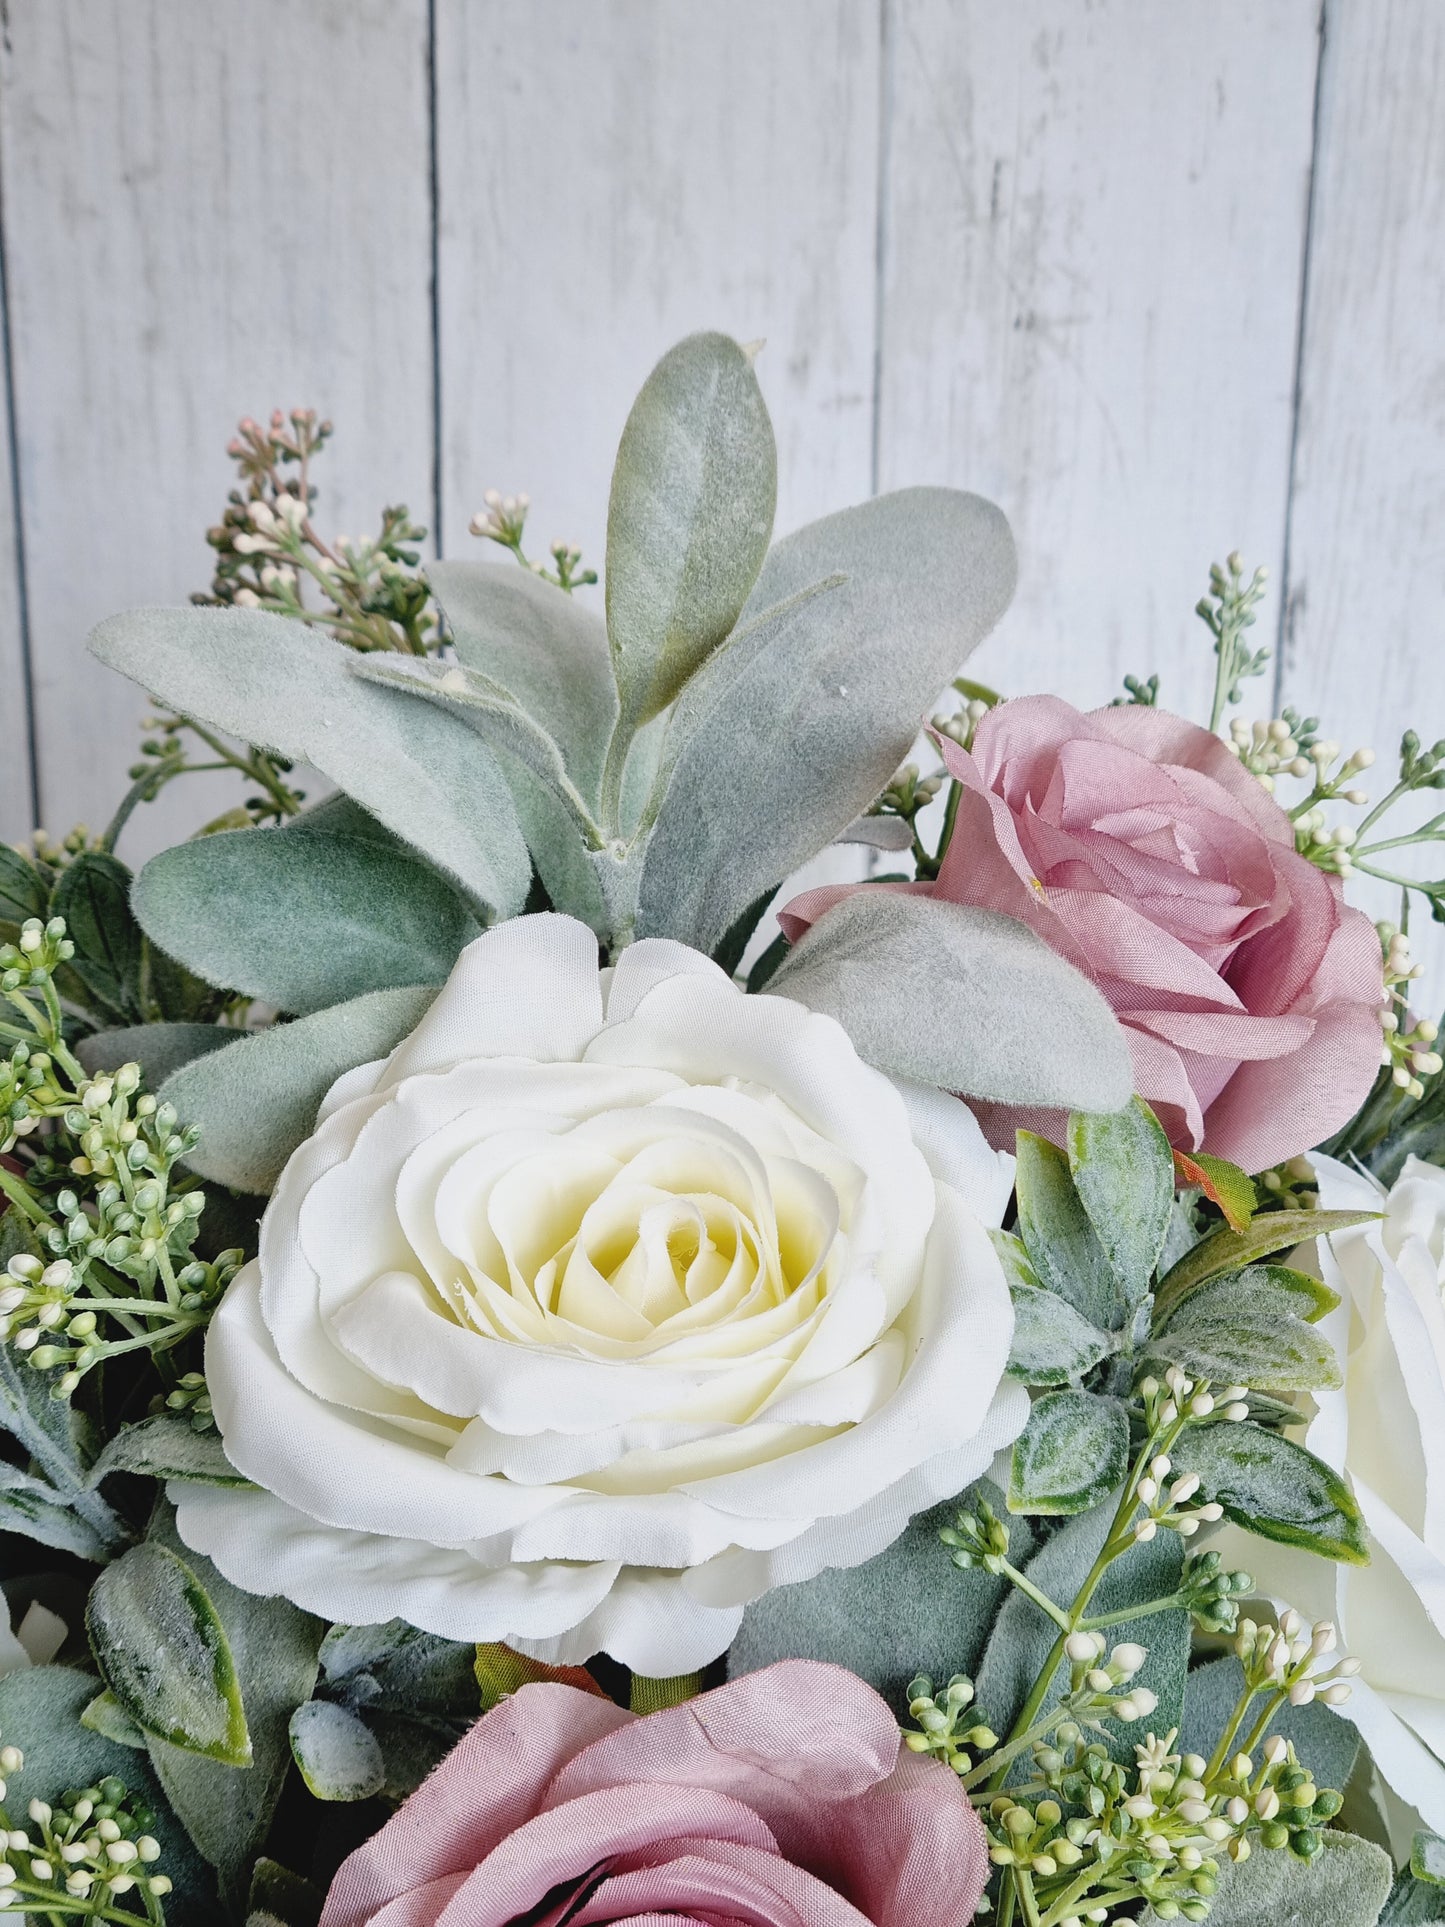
[
  {"x": 1023, "y": 1880},
  {"x": 950, "y": 818},
  {"x": 1009, "y": 1752},
  {"x": 1127, "y": 1614},
  {"x": 1068, "y": 1901},
  {"x": 20, "y": 1197},
  {"x": 1040, "y": 1599},
  {"x": 1368, "y": 823},
  {"x": 1225, "y": 1748}
]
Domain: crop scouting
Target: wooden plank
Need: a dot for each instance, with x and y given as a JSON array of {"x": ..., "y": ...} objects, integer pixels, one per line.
[
  {"x": 612, "y": 178},
  {"x": 208, "y": 212},
  {"x": 1093, "y": 231},
  {"x": 16, "y": 777},
  {"x": 1366, "y": 607}
]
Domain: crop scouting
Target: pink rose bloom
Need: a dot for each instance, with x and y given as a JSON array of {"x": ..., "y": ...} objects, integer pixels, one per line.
[
  {"x": 780, "y": 1800},
  {"x": 1140, "y": 849}
]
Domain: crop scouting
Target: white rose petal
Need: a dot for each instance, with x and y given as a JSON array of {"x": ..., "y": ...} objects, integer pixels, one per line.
[
  {"x": 1385, "y": 1428},
  {"x": 609, "y": 1300}
]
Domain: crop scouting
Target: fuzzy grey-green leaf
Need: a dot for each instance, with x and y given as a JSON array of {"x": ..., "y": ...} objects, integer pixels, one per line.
[
  {"x": 1345, "y": 1885},
  {"x": 1245, "y": 1329},
  {"x": 1071, "y": 1454},
  {"x": 1275, "y": 1488},
  {"x": 548, "y": 648},
  {"x": 962, "y": 998},
  {"x": 1052, "y": 1344},
  {"x": 31, "y": 1507},
  {"x": 159, "y": 1049},
  {"x": 796, "y": 737},
  {"x": 1123, "y": 1170},
  {"x": 166, "y": 1446},
  {"x": 270, "y": 680},
  {"x": 165, "y": 1655},
  {"x": 338, "y": 1754},
  {"x": 303, "y": 921},
  {"x": 1061, "y": 1242},
  {"x": 690, "y": 517},
  {"x": 257, "y": 1100}
]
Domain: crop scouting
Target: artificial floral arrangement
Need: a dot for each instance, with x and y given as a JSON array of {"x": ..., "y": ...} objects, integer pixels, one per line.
[{"x": 527, "y": 1401}]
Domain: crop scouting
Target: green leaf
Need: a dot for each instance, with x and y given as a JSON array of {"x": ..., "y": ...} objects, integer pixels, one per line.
[
  {"x": 400, "y": 1669},
  {"x": 1123, "y": 1171},
  {"x": 1274, "y": 1488},
  {"x": 41, "y": 1712},
  {"x": 257, "y": 1100},
  {"x": 958, "y": 997},
  {"x": 905, "y": 1611},
  {"x": 166, "y": 1447},
  {"x": 1052, "y": 1344},
  {"x": 547, "y": 648},
  {"x": 1345, "y": 1885},
  {"x": 30, "y": 1506},
  {"x": 165, "y": 1656},
  {"x": 855, "y": 625},
  {"x": 1226, "y": 1250},
  {"x": 267, "y": 679},
  {"x": 228, "y": 1810},
  {"x": 1427, "y": 1859},
  {"x": 302, "y": 920},
  {"x": 1222, "y": 1183},
  {"x": 1249, "y": 1328},
  {"x": 1326, "y": 1744},
  {"x": 691, "y": 513},
  {"x": 1023, "y": 1635},
  {"x": 107, "y": 1716},
  {"x": 337, "y": 1753},
  {"x": 159, "y": 1049},
  {"x": 93, "y": 896},
  {"x": 1062, "y": 1244},
  {"x": 280, "y": 1898},
  {"x": 1413, "y": 1903},
  {"x": 23, "y": 892},
  {"x": 1071, "y": 1454}
]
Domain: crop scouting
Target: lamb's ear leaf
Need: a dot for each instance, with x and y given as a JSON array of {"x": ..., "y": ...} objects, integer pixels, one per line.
[
  {"x": 268, "y": 680},
  {"x": 93, "y": 896},
  {"x": 547, "y": 648},
  {"x": 165, "y": 1447},
  {"x": 690, "y": 517},
  {"x": 1273, "y": 1487},
  {"x": 255, "y": 1101},
  {"x": 1345, "y": 1885},
  {"x": 796, "y": 738},
  {"x": 159, "y": 1049},
  {"x": 905, "y": 1611},
  {"x": 1061, "y": 1242},
  {"x": 1123, "y": 1171},
  {"x": 1222, "y": 1183},
  {"x": 305, "y": 920},
  {"x": 965, "y": 999},
  {"x": 280, "y": 1898},
  {"x": 337, "y": 1752},
  {"x": 1071, "y": 1454}
]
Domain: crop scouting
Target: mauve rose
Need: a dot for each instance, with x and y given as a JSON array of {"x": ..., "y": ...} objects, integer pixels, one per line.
[
  {"x": 780, "y": 1800},
  {"x": 1139, "y": 848}
]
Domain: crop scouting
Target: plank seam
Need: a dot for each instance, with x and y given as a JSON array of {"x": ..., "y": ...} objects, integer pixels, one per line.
[
  {"x": 12, "y": 458},
  {"x": 1283, "y": 632},
  {"x": 883, "y": 185},
  {"x": 434, "y": 197}
]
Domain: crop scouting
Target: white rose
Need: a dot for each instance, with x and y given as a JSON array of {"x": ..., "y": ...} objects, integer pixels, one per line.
[
  {"x": 606, "y": 1302},
  {"x": 1385, "y": 1427}
]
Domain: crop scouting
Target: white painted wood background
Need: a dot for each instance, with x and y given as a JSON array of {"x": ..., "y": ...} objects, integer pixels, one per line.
[{"x": 1163, "y": 280}]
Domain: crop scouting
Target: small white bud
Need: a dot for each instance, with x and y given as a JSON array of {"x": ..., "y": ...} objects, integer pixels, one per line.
[
  {"x": 1127, "y": 1659},
  {"x": 1275, "y": 1749},
  {"x": 1237, "y": 1811},
  {"x": 1080, "y": 1648}
]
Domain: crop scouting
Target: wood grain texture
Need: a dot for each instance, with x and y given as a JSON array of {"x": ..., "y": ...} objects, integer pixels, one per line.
[
  {"x": 1365, "y": 635},
  {"x": 612, "y": 178},
  {"x": 16, "y": 792},
  {"x": 209, "y": 211},
  {"x": 1093, "y": 234}
]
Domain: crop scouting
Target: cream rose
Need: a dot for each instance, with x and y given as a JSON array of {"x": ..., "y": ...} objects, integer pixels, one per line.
[
  {"x": 1385, "y": 1427},
  {"x": 608, "y": 1301}
]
